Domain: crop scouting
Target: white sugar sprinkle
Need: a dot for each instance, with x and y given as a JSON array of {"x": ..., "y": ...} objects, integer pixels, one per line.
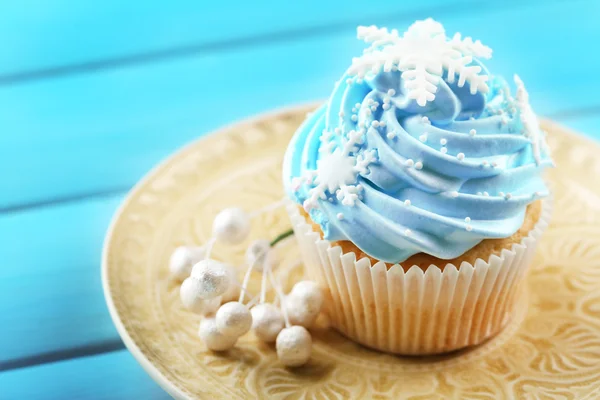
[
  {"x": 419, "y": 165},
  {"x": 486, "y": 194},
  {"x": 484, "y": 163},
  {"x": 501, "y": 194},
  {"x": 443, "y": 150},
  {"x": 354, "y": 109},
  {"x": 453, "y": 193},
  {"x": 407, "y": 232},
  {"x": 360, "y": 187},
  {"x": 494, "y": 164},
  {"x": 409, "y": 163},
  {"x": 460, "y": 156},
  {"x": 338, "y": 130},
  {"x": 469, "y": 228},
  {"x": 423, "y": 138},
  {"x": 391, "y": 135},
  {"x": 443, "y": 142},
  {"x": 425, "y": 120},
  {"x": 478, "y": 193},
  {"x": 407, "y": 202},
  {"x": 357, "y": 105},
  {"x": 382, "y": 123},
  {"x": 340, "y": 216},
  {"x": 361, "y": 124},
  {"x": 341, "y": 114},
  {"x": 386, "y": 106},
  {"x": 386, "y": 99},
  {"x": 507, "y": 196},
  {"x": 370, "y": 102},
  {"x": 354, "y": 117},
  {"x": 368, "y": 111},
  {"x": 375, "y": 123},
  {"x": 391, "y": 92},
  {"x": 467, "y": 220},
  {"x": 373, "y": 108},
  {"x": 472, "y": 132},
  {"x": 348, "y": 81}
]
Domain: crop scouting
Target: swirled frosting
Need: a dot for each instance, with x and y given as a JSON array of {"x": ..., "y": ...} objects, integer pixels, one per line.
[{"x": 396, "y": 178}]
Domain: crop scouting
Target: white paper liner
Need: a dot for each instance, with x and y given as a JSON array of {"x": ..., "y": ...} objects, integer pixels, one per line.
[{"x": 417, "y": 312}]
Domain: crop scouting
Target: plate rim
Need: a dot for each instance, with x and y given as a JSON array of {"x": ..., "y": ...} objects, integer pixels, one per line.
[{"x": 130, "y": 344}]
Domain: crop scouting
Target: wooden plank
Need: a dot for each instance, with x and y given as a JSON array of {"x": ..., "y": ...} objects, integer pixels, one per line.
[
  {"x": 51, "y": 299},
  {"x": 92, "y": 133},
  {"x": 111, "y": 376},
  {"x": 42, "y": 35}
]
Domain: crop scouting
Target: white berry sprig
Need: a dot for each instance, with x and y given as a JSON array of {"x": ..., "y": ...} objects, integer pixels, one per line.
[{"x": 210, "y": 288}]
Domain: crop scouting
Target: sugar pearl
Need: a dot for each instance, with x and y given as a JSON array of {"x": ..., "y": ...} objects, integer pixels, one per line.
[
  {"x": 443, "y": 150},
  {"x": 212, "y": 338},
  {"x": 213, "y": 278},
  {"x": 418, "y": 165},
  {"x": 460, "y": 156},
  {"x": 409, "y": 163},
  {"x": 423, "y": 138},
  {"x": 467, "y": 220},
  {"x": 340, "y": 216},
  {"x": 391, "y": 92},
  {"x": 267, "y": 322},
  {"x": 407, "y": 232},
  {"x": 443, "y": 142},
  {"x": 188, "y": 293},
  {"x": 469, "y": 228},
  {"x": 304, "y": 303},
  {"x": 233, "y": 319},
  {"x": 472, "y": 132},
  {"x": 259, "y": 254},
  {"x": 182, "y": 259},
  {"x": 231, "y": 226},
  {"x": 407, "y": 202},
  {"x": 294, "y": 346}
]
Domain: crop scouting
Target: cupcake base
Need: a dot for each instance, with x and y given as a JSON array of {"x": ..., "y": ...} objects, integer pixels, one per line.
[{"x": 417, "y": 310}]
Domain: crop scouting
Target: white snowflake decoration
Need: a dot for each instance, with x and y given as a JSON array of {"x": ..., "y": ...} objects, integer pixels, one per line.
[
  {"x": 529, "y": 120},
  {"x": 337, "y": 172},
  {"x": 422, "y": 54}
]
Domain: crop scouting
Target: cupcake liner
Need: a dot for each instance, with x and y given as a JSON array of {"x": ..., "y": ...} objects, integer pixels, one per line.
[{"x": 417, "y": 312}]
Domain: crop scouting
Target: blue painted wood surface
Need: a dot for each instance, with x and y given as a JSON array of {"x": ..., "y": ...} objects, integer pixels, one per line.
[{"x": 83, "y": 116}]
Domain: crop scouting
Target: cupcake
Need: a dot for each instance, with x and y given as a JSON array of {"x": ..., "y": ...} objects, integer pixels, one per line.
[{"x": 417, "y": 193}]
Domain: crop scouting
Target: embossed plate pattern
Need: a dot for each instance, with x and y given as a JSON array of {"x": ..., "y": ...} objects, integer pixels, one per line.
[{"x": 550, "y": 350}]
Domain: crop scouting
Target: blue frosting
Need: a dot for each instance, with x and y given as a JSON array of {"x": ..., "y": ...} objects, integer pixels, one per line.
[{"x": 439, "y": 185}]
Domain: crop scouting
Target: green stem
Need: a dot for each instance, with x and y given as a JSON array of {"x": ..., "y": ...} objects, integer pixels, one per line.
[{"x": 282, "y": 236}]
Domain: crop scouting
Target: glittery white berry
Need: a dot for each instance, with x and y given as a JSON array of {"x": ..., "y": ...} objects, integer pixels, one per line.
[
  {"x": 304, "y": 303},
  {"x": 294, "y": 346},
  {"x": 212, "y": 338},
  {"x": 259, "y": 253},
  {"x": 183, "y": 259},
  {"x": 231, "y": 226},
  {"x": 233, "y": 319},
  {"x": 267, "y": 322},
  {"x": 212, "y": 277},
  {"x": 188, "y": 293}
]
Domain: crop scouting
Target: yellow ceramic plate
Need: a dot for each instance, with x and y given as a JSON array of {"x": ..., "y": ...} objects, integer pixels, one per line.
[{"x": 551, "y": 350}]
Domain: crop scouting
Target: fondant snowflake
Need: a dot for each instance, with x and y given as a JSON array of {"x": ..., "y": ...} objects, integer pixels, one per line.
[
  {"x": 337, "y": 172},
  {"x": 531, "y": 125},
  {"x": 422, "y": 54}
]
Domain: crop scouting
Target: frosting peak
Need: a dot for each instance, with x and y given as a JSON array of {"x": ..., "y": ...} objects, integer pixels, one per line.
[{"x": 405, "y": 158}]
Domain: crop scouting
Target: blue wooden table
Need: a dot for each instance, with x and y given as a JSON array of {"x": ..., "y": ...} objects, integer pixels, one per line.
[{"x": 92, "y": 95}]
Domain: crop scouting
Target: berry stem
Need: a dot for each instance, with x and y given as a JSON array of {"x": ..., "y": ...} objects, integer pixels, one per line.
[{"x": 282, "y": 236}]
